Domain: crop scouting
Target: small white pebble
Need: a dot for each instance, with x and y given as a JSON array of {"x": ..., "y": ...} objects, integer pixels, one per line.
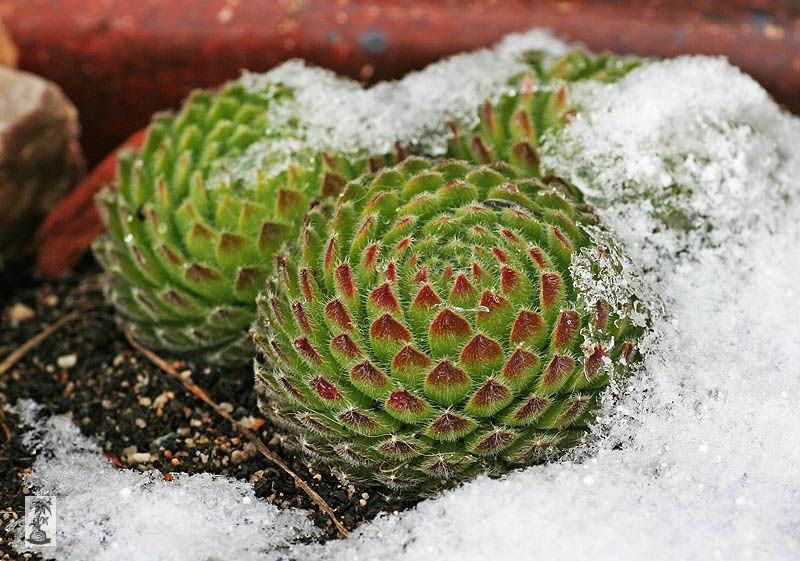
[
  {"x": 162, "y": 399},
  {"x": 19, "y": 312},
  {"x": 67, "y": 361},
  {"x": 140, "y": 458}
]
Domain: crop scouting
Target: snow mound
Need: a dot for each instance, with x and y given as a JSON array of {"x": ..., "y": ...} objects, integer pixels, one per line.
[
  {"x": 327, "y": 111},
  {"x": 694, "y": 137},
  {"x": 339, "y": 113},
  {"x": 105, "y": 513}
]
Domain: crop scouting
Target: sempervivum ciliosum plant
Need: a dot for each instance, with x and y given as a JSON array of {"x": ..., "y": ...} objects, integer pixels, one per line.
[
  {"x": 187, "y": 250},
  {"x": 443, "y": 320},
  {"x": 511, "y": 128}
]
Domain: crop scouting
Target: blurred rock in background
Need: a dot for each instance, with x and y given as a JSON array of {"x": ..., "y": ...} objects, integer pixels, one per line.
[{"x": 40, "y": 158}]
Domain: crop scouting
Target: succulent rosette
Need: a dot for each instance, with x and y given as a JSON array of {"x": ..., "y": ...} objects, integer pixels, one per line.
[
  {"x": 510, "y": 128},
  {"x": 195, "y": 217},
  {"x": 441, "y": 320},
  {"x": 187, "y": 248}
]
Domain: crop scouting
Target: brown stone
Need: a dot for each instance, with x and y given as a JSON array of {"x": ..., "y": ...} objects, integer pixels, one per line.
[{"x": 40, "y": 158}]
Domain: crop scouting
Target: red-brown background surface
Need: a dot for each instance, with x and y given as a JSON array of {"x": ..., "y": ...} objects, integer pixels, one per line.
[{"x": 121, "y": 60}]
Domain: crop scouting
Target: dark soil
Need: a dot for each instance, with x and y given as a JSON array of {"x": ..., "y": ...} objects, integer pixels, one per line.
[{"x": 144, "y": 419}]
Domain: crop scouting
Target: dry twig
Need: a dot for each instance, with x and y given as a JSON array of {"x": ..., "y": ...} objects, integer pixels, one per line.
[
  {"x": 249, "y": 434},
  {"x": 4, "y": 426}
]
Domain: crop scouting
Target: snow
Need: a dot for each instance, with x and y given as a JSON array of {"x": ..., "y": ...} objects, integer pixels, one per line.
[
  {"x": 339, "y": 113},
  {"x": 330, "y": 112},
  {"x": 107, "y": 514},
  {"x": 700, "y": 456},
  {"x": 695, "y": 138}
]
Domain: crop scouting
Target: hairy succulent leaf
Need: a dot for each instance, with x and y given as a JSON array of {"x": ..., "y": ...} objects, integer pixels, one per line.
[
  {"x": 188, "y": 247},
  {"x": 510, "y": 129},
  {"x": 446, "y": 320},
  {"x": 186, "y": 250}
]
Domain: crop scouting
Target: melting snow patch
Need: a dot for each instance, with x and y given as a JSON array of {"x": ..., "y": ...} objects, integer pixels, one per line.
[{"x": 105, "y": 513}]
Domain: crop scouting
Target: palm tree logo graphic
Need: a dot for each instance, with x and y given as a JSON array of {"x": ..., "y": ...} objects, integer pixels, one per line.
[{"x": 42, "y": 511}]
